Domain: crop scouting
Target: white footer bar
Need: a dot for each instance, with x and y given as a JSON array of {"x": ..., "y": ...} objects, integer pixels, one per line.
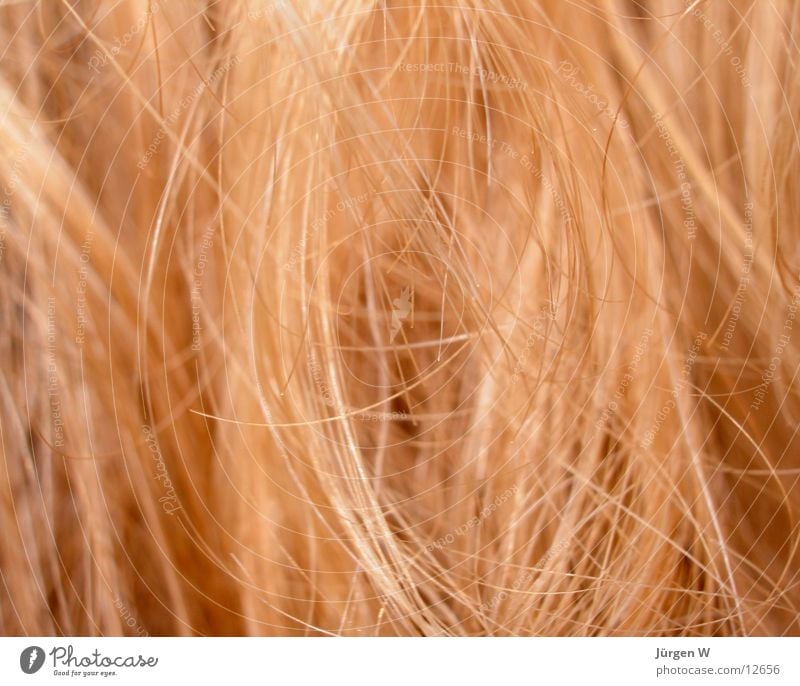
[{"x": 401, "y": 661}]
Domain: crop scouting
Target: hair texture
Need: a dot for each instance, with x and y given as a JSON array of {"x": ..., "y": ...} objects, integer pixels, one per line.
[{"x": 399, "y": 318}]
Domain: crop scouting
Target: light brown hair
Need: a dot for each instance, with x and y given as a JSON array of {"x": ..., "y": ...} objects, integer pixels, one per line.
[{"x": 360, "y": 318}]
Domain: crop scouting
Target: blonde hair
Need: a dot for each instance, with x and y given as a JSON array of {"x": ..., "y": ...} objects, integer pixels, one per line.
[{"x": 399, "y": 318}]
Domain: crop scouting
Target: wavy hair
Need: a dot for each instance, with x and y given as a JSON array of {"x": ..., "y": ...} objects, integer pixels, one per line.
[{"x": 399, "y": 318}]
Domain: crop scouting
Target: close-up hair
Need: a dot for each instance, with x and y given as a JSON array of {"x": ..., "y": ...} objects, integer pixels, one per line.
[{"x": 399, "y": 318}]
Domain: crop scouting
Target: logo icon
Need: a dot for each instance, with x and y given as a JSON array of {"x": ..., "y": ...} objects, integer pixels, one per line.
[
  {"x": 31, "y": 659},
  {"x": 402, "y": 308}
]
